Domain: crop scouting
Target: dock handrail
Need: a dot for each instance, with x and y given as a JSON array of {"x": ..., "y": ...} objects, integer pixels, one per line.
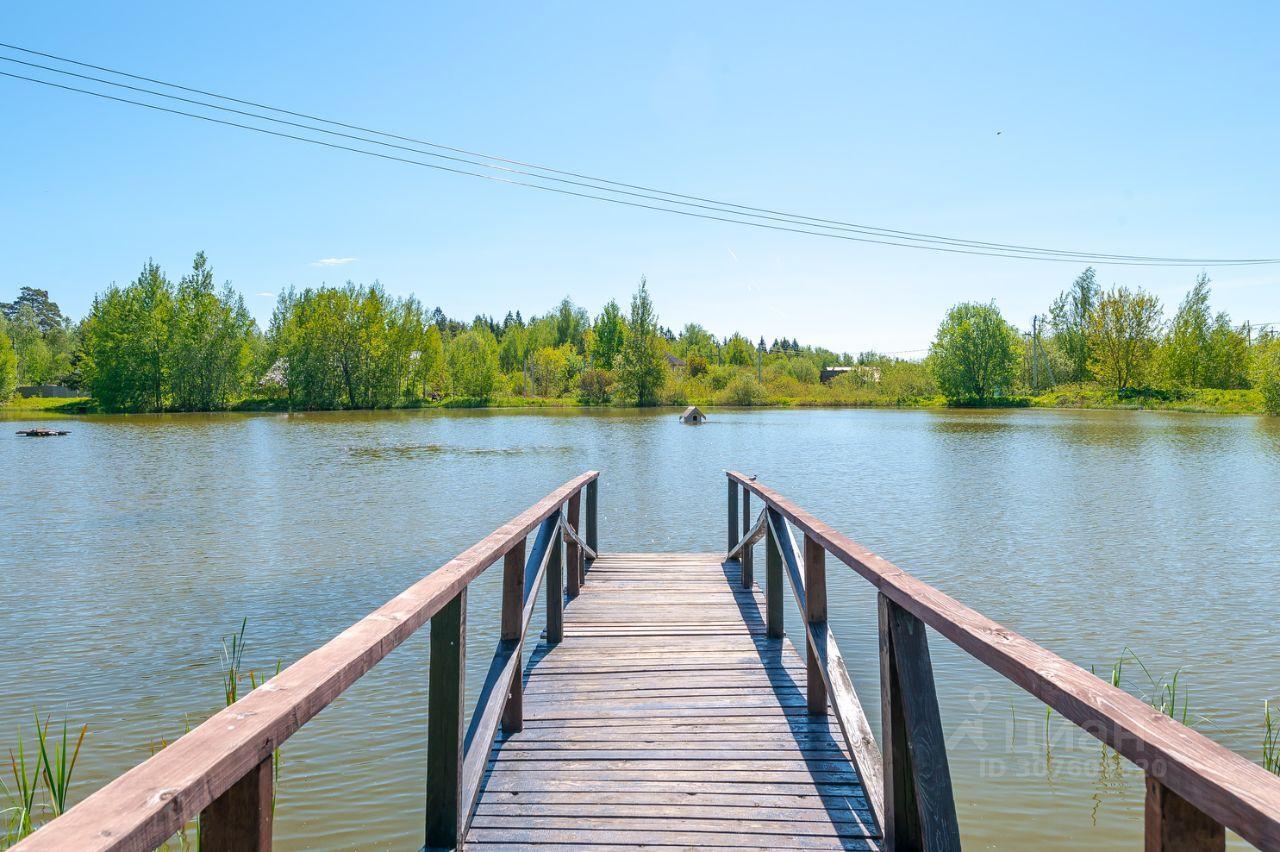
[
  {"x": 1195, "y": 787},
  {"x": 222, "y": 770}
]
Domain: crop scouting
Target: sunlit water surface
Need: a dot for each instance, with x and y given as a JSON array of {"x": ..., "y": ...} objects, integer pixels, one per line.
[{"x": 134, "y": 544}]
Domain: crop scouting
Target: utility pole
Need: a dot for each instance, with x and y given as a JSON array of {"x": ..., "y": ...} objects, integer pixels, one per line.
[{"x": 1035, "y": 355}]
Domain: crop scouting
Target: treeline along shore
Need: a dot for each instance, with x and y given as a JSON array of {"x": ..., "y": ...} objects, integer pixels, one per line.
[{"x": 156, "y": 345}]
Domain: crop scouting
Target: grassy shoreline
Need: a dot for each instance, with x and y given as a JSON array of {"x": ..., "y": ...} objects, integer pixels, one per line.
[{"x": 1202, "y": 401}]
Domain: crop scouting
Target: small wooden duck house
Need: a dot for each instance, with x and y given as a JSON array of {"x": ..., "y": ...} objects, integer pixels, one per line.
[{"x": 693, "y": 416}]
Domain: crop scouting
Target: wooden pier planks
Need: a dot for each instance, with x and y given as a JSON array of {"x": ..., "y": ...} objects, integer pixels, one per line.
[{"x": 666, "y": 718}]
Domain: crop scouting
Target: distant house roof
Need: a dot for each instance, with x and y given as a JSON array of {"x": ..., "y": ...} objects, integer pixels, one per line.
[
  {"x": 869, "y": 372},
  {"x": 673, "y": 361}
]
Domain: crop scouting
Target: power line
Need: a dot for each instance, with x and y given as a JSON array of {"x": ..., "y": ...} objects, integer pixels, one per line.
[
  {"x": 997, "y": 251},
  {"x": 807, "y": 221}
]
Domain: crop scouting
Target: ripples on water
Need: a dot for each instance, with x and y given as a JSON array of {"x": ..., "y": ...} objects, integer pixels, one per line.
[{"x": 133, "y": 544}]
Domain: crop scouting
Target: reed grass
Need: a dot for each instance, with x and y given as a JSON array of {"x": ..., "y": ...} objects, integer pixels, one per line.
[
  {"x": 1270, "y": 740},
  {"x": 1166, "y": 693},
  {"x": 232, "y": 660},
  {"x": 19, "y": 821},
  {"x": 48, "y": 771},
  {"x": 57, "y": 762}
]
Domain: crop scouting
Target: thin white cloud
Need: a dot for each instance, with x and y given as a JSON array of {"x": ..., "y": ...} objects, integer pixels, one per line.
[
  {"x": 732, "y": 255},
  {"x": 265, "y": 295},
  {"x": 334, "y": 261}
]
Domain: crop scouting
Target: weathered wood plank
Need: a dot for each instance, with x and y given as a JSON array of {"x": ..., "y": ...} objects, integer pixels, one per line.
[
  {"x": 240, "y": 819},
  {"x": 657, "y": 821},
  {"x": 815, "y": 612},
  {"x": 1174, "y": 825},
  {"x": 673, "y": 808},
  {"x": 446, "y": 697},
  {"x": 572, "y": 552},
  {"x": 733, "y": 515},
  {"x": 577, "y": 838},
  {"x": 555, "y": 591},
  {"x": 593, "y": 515},
  {"x": 513, "y": 630},
  {"x": 665, "y": 713},
  {"x": 920, "y": 811}
]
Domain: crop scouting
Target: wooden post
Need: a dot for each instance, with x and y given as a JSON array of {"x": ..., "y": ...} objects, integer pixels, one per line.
[
  {"x": 815, "y": 612},
  {"x": 772, "y": 583},
  {"x": 746, "y": 509},
  {"x": 240, "y": 819},
  {"x": 446, "y": 694},
  {"x": 748, "y": 557},
  {"x": 555, "y": 590},
  {"x": 573, "y": 553},
  {"x": 1175, "y": 825},
  {"x": 919, "y": 807},
  {"x": 733, "y": 515},
  {"x": 593, "y": 515},
  {"x": 512, "y": 627}
]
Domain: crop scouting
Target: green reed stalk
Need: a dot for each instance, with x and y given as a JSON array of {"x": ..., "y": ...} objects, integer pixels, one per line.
[
  {"x": 232, "y": 656},
  {"x": 57, "y": 762},
  {"x": 1270, "y": 740},
  {"x": 22, "y": 796}
]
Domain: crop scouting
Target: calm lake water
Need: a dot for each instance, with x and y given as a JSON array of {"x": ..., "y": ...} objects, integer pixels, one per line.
[{"x": 133, "y": 545}]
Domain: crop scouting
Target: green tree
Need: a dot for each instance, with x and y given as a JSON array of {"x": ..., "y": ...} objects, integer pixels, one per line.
[
  {"x": 35, "y": 360},
  {"x": 211, "y": 338},
  {"x": 1188, "y": 338},
  {"x": 46, "y": 312},
  {"x": 1123, "y": 337},
  {"x": 1266, "y": 373},
  {"x": 1225, "y": 362},
  {"x": 473, "y": 364},
  {"x": 975, "y": 355},
  {"x": 8, "y": 367},
  {"x": 514, "y": 349},
  {"x": 549, "y": 370},
  {"x": 1071, "y": 317},
  {"x": 429, "y": 371},
  {"x": 609, "y": 333},
  {"x": 695, "y": 340},
  {"x": 571, "y": 323},
  {"x": 355, "y": 347},
  {"x": 126, "y": 343},
  {"x": 594, "y": 387},
  {"x": 641, "y": 368},
  {"x": 738, "y": 352}
]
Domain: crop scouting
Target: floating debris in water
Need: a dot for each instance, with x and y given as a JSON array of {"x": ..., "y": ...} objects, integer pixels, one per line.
[{"x": 401, "y": 451}]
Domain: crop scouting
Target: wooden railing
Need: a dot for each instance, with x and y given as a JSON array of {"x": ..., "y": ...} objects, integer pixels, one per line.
[
  {"x": 1195, "y": 787},
  {"x": 222, "y": 769}
]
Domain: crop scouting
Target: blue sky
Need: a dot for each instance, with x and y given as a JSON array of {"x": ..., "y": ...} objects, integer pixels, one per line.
[{"x": 1134, "y": 128}]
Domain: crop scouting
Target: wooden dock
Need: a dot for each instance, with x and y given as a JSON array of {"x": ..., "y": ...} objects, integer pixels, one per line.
[
  {"x": 667, "y": 718},
  {"x": 666, "y": 708}
]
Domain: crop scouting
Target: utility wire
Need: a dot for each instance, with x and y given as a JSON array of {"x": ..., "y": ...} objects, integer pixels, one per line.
[
  {"x": 807, "y": 221},
  {"x": 996, "y": 251},
  {"x": 358, "y": 138}
]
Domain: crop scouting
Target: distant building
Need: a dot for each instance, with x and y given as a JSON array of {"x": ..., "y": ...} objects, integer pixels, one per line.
[
  {"x": 674, "y": 363},
  {"x": 868, "y": 372},
  {"x": 27, "y": 391},
  {"x": 274, "y": 378}
]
